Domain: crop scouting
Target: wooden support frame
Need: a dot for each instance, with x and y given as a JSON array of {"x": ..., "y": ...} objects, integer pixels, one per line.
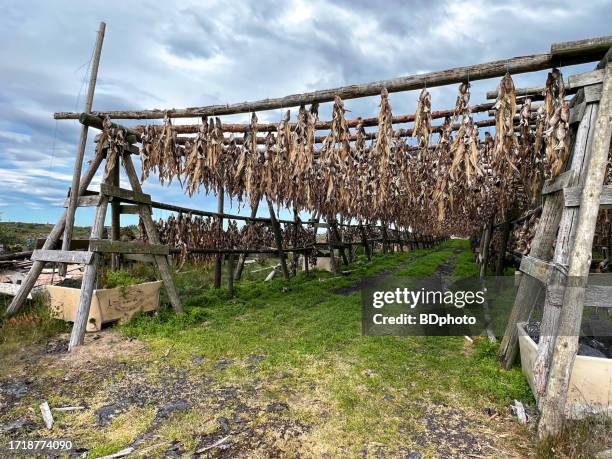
[
  {"x": 62, "y": 256},
  {"x": 219, "y": 256},
  {"x": 566, "y": 344}
]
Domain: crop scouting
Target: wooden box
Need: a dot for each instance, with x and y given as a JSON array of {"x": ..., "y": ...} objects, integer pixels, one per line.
[
  {"x": 107, "y": 305},
  {"x": 590, "y": 390}
]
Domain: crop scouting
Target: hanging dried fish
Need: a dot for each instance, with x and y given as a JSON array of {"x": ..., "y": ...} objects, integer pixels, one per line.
[
  {"x": 557, "y": 123},
  {"x": 422, "y": 120}
]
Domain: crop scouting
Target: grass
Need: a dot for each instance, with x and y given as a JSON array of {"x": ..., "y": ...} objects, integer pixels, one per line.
[
  {"x": 349, "y": 391},
  {"x": 303, "y": 328}
]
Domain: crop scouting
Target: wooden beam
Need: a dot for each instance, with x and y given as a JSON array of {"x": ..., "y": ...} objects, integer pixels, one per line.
[
  {"x": 597, "y": 296},
  {"x": 138, "y": 257},
  {"x": 324, "y": 125},
  {"x": 62, "y": 256},
  {"x": 278, "y": 239},
  {"x": 581, "y": 52},
  {"x": 85, "y": 201},
  {"x": 125, "y": 195},
  {"x": 572, "y": 48},
  {"x": 95, "y": 121},
  {"x": 106, "y": 246},
  {"x": 592, "y": 93},
  {"x": 219, "y": 257},
  {"x": 129, "y": 209},
  {"x": 536, "y": 268},
  {"x": 558, "y": 183},
  {"x": 573, "y": 196}
]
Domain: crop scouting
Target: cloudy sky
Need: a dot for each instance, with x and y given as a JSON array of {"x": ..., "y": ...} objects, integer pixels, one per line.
[{"x": 180, "y": 54}]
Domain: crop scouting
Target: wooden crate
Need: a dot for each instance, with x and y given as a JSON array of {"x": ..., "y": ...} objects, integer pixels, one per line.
[
  {"x": 107, "y": 305},
  {"x": 590, "y": 381}
]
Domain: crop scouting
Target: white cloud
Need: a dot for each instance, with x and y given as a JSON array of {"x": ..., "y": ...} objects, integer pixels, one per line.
[{"x": 181, "y": 54}]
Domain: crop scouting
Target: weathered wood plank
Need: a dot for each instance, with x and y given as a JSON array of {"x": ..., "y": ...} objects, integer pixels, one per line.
[
  {"x": 571, "y": 48},
  {"x": 536, "y": 268},
  {"x": 106, "y": 246},
  {"x": 580, "y": 80},
  {"x": 125, "y": 195},
  {"x": 592, "y": 93},
  {"x": 139, "y": 257},
  {"x": 129, "y": 209},
  {"x": 573, "y": 196},
  {"x": 85, "y": 201},
  {"x": 558, "y": 183},
  {"x": 62, "y": 256},
  {"x": 597, "y": 296},
  {"x": 589, "y": 51}
]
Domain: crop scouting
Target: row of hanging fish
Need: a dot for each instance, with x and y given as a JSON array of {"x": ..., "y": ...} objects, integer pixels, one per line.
[{"x": 444, "y": 187}]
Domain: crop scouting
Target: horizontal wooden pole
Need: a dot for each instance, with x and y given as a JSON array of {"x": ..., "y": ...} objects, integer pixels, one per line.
[
  {"x": 85, "y": 201},
  {"x": 125, "y": 195},
  {"x": 597, "y": 296},
  {"x": 568, "y": 53},
  {"x": 106, "y": 246},
  {"x": 62, "y": 256},
  {"x": 437, "y": 128},
  {"x": 323, "y": 125}
]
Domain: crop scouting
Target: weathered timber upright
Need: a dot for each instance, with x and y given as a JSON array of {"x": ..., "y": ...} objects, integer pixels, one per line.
[
  {"x": 566, "y": 344},
  {"x": 78, "y": 163},
  {"x": 219, "y": 256}
]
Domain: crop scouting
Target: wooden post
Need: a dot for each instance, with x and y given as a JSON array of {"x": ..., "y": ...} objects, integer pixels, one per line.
[
  {"x": 116, "y": 215},
  {"x": 563, "y": 247},
  {"x": 89, "y": 279},
  {"x": 219, "y": 255},
  {"x": 330, "y": 246},
  {"x": 243, "y": 256},
  {"x": 78, "y": 164},
  {"x": 570, "y": 320},
  {"x": 364, "y": 241},
  {"x": 30, "y": 279},
  {"x": 145, "y": 214},
  {"x": 336, "y": 234},
  {"x": 541, "y": 246},
  {"x": 230, "y": 274},
  {"x": 295, "y": 255},
  {"x": 485, "y": 249},
  {"x": 278, "y": 239},
  {"x": 501, "y": 256}
]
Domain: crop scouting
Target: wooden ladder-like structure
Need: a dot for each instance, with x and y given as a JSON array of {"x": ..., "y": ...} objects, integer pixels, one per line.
[
  {"x": 566, "y": 229},
  {"x": 153, "y": 251}
]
